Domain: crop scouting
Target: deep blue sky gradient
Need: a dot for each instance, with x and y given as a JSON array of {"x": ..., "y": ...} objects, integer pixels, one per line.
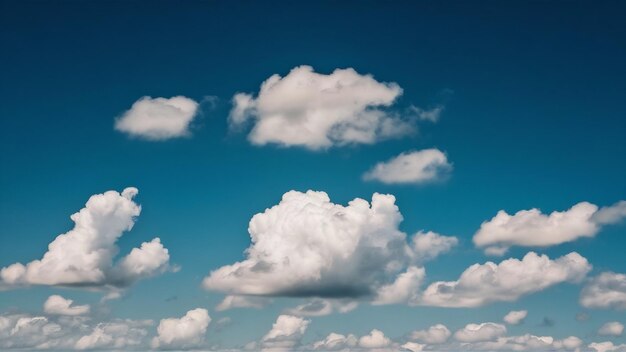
[{"x": 535, "y": 97}]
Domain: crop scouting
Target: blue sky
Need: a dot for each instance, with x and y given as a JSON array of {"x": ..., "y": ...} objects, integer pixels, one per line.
[{"x": 533, "y": 117}]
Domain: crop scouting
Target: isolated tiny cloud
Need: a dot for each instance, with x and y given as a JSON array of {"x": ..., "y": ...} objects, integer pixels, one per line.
[
  {"x": 307, "y": 246},
  {"x": 411, "y": 167},
  {"x": 181, "y": 333},
  {"x": 158, "y": 119},
  {"x": 83, "y": 257},
  {"x": 58, "y": 305},
  {"x": 612, "y": 328},
  {"x": 607, "y": 290},
  {"x": 531, "y": 228},
  {"x": 512, "y": 278},
  {"x": 515, "y": 317},
  {"x": 315, "y": 111}
]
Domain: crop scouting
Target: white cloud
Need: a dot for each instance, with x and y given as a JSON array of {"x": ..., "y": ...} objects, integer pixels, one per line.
[
  {"x": 607, "y": 346},
  {"x": 431, "y": 115},
  {"x": 375, "y": 339},
  {"x": 404, "y": 289},
  {"x": 63, "y": 332},
  {"x": 512, "y": 278},
  {"x": 528, "y": 343},
  {"x": 83, "y": 257},
  {"x": 480, "y": 332},
  {"x": 314, "y": 111},
  {"x": 607, "y": 290},
  {"x": 56, "y": 304},
  {"x": 234, "y": 301},
  {"x": 515, "y": 317},
  {"x": 185, "y": 332},
  {"x": 307, "y": 246},
  {"x": 413, "y": 347},
  {"x": 158, "y": 119},
  {"x": 317, "y": 307},
  {"x": 434, "y": 335},
  {"x": 612, "y": 328},
  {"x": 411, "y": 167},
  {"x": 285, "y": 334},
  {"x": 336, "y": 342},
  {"x": 531, "y": 228},
  {"x": 429, "y": 245}
]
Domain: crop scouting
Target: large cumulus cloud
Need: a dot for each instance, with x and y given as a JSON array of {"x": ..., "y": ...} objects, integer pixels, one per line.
[
  {"x": 84, "y": 255},
  {"x": 308, "y": 246}
]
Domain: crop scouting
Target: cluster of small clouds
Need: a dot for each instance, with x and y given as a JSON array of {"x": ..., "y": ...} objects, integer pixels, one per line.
[{"x": 68, "y": 326}]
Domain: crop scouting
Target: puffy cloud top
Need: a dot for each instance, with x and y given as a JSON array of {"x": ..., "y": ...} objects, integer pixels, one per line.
[
  {"x": 531, "y": 228},
  {"x": 512, "y": 278},
  {"x": 158, "y": 118},
  {"x": 56, "y": 304},
  {"x": 84, "y": 255},
  {"x": 185, "y": 332},
  {"x": 411, "y": 167},
  {"x": 314, "y": 110},
  {"x": 308, "y": 246},
  {"x": 285, "y": 333},
  {"x": 434, "y": 335}
]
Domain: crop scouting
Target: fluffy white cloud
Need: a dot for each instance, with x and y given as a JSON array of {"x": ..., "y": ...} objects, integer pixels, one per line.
[
  {"x": 429, "y": 245},
  {"x": 185, "y": 332},
  {"x": 607, "y": 346},
  {"x": 158, "y": 118},
  {"x": 315, "y": 111},
  {"x": 480, "y": 332},
  {"x": 307, "y": 246},
  {"x": 531, "y": 228},
  {"x": 84, "y": 256},
  {"x": 411, "y": 167},
  {"x": 404, "y": 289},
  {"x": 512, "y": 278},
  {"x": 62, "y": 332},
  {"x": 233, "y": 301},
  {"x": 319, "y": 307},
  {"x": 612, "y": 328},
  {"x": 515, "y": 317},
  {"x": 336, "y": 342},
  {"x": 56, "y": 304},
  {"x": 375, "y": 339},
  {"x": 434, "y": 335},
  {"x": 285, "y": 334},
  {"x": 607, "y": 290}
]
